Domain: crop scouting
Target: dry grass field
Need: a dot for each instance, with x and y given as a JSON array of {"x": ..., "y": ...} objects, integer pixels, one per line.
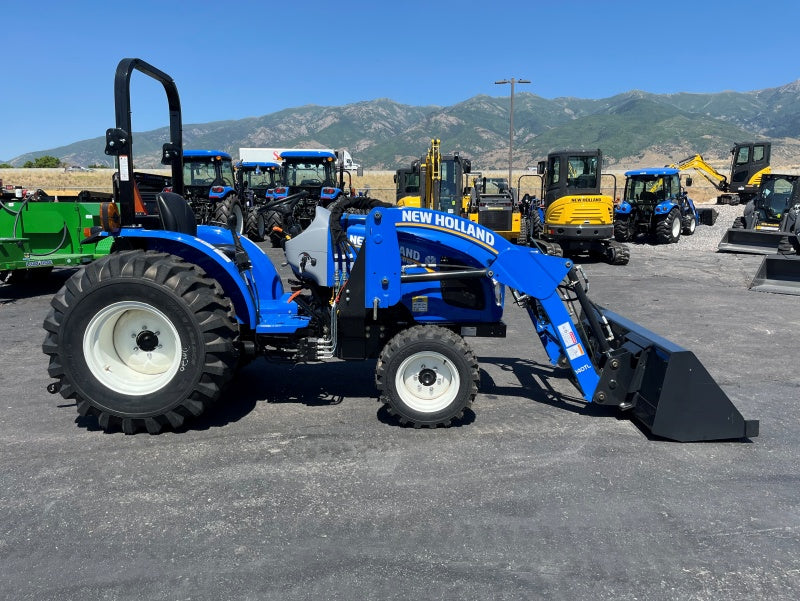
[{"x": 379, "y": 184}]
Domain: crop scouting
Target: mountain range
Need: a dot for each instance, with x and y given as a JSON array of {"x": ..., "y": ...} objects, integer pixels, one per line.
[{"x": 633, "y": 128}]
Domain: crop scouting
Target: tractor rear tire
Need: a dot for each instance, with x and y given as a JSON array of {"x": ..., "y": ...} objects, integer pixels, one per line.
[
  {"x": 738, "y": 223},
  {"x": 142, "y": 340},
  {"x": 622, "y": 229},
  {"x": 227, "y": 207},
  {"x": 668, "y": 230},
  {"x": 427, "y": 376},
  {"x": 251, "y": 228},
  {"x": 272, "y": 220}
]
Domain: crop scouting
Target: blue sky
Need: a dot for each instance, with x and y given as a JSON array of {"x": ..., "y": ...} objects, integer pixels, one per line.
[{"x": 232, "y": 60}]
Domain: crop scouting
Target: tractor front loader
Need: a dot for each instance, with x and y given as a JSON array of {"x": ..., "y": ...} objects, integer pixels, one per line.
[{"x": 147, "y": 337}]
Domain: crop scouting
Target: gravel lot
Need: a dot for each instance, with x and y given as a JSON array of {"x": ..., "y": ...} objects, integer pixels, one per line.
[{"x": 300, "y": 487}]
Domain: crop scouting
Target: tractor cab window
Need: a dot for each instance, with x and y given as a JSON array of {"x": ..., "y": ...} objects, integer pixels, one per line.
[
  {"x": 582, "y": 171},
  {"x": 310, "y": 174},
  {"x": 643, "y": 188},
  {"x": 226, "y": 173},
  {"x": 263, "y": 178},
  {"x": 199, "y": 173},
  {"x": 758, "y": 153}
]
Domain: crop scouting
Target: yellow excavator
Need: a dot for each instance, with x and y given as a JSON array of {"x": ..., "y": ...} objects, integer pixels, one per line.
[
  {"x": 575, "y": 217},
  {"x": 445, "y": 182},
  {"x": 749, "y": 161}
]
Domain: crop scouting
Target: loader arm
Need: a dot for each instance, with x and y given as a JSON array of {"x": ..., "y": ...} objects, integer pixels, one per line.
[
  {"x": 613, "y": 361},
  {"x": 699, "y": 164}
]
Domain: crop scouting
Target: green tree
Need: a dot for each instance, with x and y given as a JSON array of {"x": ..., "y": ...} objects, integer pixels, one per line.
[
  {"x": 6, "y": 166},
  {"x": 44, "y": 161}
]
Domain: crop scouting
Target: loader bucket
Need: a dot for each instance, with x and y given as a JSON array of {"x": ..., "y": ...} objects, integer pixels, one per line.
[
  {"x": 707, "y": 216},
  {"x": 667, "y": 389},
  {"x": 753, "y": 242},
  {"x": 779, "y": 274}
]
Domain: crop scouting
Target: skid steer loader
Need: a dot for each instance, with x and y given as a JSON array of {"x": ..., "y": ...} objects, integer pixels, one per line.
[
  {"x": 765, "y": 223},
  {"x": 147, "y": 337}
]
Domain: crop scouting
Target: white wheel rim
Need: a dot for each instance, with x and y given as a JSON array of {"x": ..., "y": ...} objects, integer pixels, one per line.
[
  {"x": 692, "y": 225},
  {"x": 132, "y": 348},
  {"x": 427, "y": 382},
  {"x": 261, "y": 226},
  {"x": 676, "y": 227}
]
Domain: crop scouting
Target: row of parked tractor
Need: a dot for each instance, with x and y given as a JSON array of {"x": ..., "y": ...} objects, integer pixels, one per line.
[{"x": 572, "y": 213}]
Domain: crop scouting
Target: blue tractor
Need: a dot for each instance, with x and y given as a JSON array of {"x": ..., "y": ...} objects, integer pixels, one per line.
[
  {"x": 210, "y": 187},
  {"x": 655, "y": 204},
  {"x": 146, "y": 338},
  {"x": 255, "y": 182},
  {"x": 312, "y": 172}
]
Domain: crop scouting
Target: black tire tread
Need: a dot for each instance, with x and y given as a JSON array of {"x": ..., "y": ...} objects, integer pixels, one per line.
[
  {"x": 426, "y": 333},
  {"x": 212, "y": 310}
]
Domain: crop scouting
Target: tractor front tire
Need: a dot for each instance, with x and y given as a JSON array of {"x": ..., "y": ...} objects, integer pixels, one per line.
[
  {"x": 227, "y": 207},
  {"x": 427, "y": 376},
  {"x": 668, "y": 230},
  {"x": 142, "y": 340},
  {"x": 689, "y": 225}
]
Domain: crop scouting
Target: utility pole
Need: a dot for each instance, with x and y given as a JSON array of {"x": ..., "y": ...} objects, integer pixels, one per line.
[{"x": 512, "y": 81}]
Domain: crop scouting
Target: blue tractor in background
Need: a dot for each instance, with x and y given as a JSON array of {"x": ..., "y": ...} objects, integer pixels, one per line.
[
  {"x": 655, "y": 204},
  {"x": 210, "y": 187},
  {"x": 255, "y": 183},
  {"x": 313, "y": 173},
  {"x": 146, "y": 338}
]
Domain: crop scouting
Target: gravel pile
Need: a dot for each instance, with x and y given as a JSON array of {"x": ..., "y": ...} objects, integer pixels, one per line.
[{"x": 705, "y": 237}]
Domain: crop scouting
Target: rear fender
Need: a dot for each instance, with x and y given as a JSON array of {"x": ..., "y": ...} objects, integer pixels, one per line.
[{"x": 206, "y": 252}]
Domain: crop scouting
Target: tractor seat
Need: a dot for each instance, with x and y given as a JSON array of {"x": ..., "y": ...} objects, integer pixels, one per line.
[{"x": 176, "y": 214}]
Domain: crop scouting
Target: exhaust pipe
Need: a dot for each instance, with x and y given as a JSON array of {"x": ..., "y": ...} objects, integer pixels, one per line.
[{"x": 666, "y": 388}]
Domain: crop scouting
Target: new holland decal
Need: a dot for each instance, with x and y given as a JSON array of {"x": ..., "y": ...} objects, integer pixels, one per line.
[{"x": 449, "y": 222}]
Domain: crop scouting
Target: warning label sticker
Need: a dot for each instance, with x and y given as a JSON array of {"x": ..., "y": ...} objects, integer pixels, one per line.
[
  {"x": 567, "y": 334},
  {"x": 419, "y": 304},
  {"x": 575, "y": 351}
]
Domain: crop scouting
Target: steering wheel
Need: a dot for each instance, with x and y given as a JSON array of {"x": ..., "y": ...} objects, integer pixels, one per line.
[{"x": 284, "y": 205}]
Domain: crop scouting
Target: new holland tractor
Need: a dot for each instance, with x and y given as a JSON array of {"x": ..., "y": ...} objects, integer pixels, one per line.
[
  {"x": 655, "y": 204},
  {"x": 147, "y": 337},
  {"x": 254, "y": 181},
  {"x": 318, "y": 176},
  {"x": 210, "y": 187}
]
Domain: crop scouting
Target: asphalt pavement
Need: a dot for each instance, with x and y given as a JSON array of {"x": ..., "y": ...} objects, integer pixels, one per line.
[{"x": 301, "y": 487}]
